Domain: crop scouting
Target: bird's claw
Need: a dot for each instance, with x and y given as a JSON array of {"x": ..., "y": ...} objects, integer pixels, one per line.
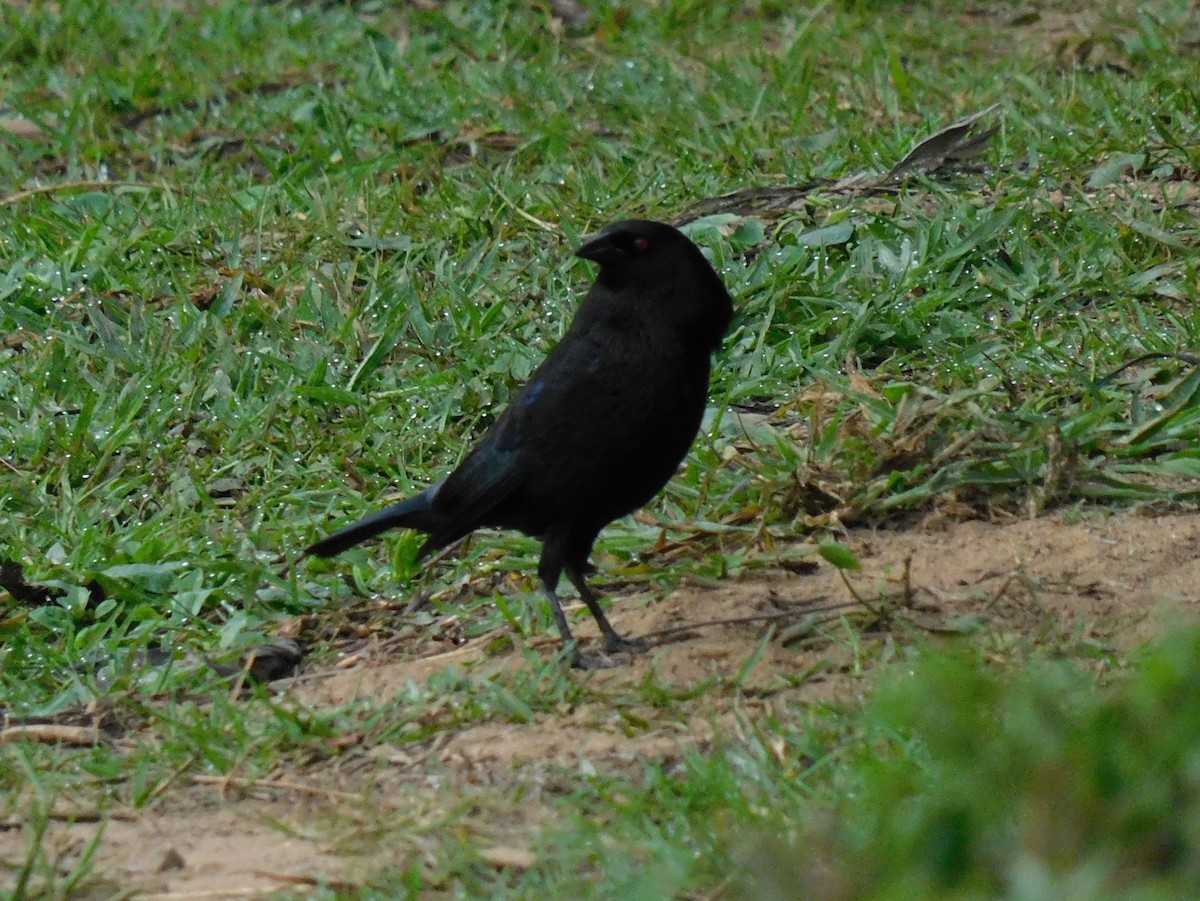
[
  {"x": 620, "y": 645},
  {"x": 613, "y": 645}
]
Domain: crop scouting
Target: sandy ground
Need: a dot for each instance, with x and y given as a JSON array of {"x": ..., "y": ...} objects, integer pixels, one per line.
[{"x": 1112, "y": 580}]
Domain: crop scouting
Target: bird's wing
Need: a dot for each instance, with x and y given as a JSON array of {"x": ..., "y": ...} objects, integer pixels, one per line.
[
  {"x": 514, "y": 447},
  {"x": 487, "y": 475}
]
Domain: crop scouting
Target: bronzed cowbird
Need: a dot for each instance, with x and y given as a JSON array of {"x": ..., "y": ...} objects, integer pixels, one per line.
[{"x": 600, "y": 426}]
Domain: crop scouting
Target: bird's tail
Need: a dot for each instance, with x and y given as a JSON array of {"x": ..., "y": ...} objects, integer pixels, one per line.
[{"x": 411, "y": 513}]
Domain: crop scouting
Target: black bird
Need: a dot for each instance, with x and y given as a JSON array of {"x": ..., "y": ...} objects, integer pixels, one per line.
[{"x": 601, "y": 425}]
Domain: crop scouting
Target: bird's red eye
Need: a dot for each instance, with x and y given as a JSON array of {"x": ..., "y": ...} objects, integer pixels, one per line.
[{"x": 641, "y": 245}]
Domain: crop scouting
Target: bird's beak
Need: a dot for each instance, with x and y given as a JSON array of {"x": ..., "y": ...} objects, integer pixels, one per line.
[{"x": 599, "y": 248}]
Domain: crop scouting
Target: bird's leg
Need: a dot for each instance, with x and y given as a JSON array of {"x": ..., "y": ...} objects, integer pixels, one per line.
[
  {"x": 563, "y": 627},
  {"x": 614, "y": 642},
  {"x": 550, "y": 569},
  {"x": 576, "y": 657}
]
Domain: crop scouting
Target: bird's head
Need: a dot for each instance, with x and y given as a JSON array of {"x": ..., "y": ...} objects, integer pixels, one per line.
[
  {"x": 653, "y": 263},
  {"x": 637, "y": 247}
]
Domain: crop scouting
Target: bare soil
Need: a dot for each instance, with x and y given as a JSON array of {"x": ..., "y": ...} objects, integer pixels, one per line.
[{"x": 1060, "y": 582}]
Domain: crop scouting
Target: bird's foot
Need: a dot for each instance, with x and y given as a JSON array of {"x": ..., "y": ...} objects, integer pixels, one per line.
[
  {"x": 616, "y": 644},
  {"x": 613, "y": 644}
]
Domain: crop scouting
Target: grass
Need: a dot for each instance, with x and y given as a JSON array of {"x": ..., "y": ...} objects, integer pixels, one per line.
[{"x": 263, "y": 263}]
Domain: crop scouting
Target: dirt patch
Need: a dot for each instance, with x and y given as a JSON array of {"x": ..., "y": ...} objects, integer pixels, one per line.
[{"x": 1112, "y": 581}]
